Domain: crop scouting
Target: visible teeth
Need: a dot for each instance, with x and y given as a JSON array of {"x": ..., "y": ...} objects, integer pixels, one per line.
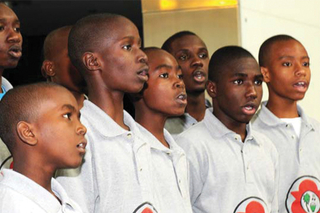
[
  {"x": 249, "y": 107},
  {"x": 301, "y": 83},
  {"x": 80, "y": 145}
]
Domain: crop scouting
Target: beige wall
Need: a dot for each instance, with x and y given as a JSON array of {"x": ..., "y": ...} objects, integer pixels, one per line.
[{"x": 216, "y": 26}]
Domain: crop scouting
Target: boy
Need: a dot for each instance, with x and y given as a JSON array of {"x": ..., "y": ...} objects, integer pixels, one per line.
[
  {"x": 193, "y": 57},
  {"x": 232, "y": 167},
  {"x": 57, "y": 66},
  {"x": 10, "y": 53},
  {"x": 164, "y": 95},
  {"x": 115, "y": 175},
  {"x": 41, "y": 128},
  {"x": 284, "y": 63}
]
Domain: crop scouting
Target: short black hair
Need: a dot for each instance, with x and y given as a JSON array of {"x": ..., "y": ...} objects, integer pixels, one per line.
[
  {"x": 224, "y": 56},
  {"x": 167, "y": 44},
  {"x": 86, "y": 35},
  {"x": 21, "y": 104},
  {"x": 265, "y": 48}
]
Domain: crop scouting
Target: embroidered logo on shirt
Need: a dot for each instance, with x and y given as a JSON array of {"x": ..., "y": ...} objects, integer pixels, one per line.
[
  {"x": 303, "y": 196},
  {"x": 251, "y": 205},
  {"x": 145, "y": 208}
]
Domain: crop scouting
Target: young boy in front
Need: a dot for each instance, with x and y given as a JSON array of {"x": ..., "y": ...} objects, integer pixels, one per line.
[
  {"x": 164, "y": 95},
  {"x": 116, "y": 173},
  {"x": 193, "y": 57},
  {"x": 57, "y": 66},
  {"x": 10, "y": 54},
  {"x": 40, "y": 126},
  {"x": 232, "y": 167},
  {"x": 285, "y": 67}
]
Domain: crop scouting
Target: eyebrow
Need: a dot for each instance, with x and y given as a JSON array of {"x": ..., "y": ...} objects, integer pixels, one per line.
[
  {"x": 69, "y": 107},
  {"x": 163, "y": 66},
  {"x": 17, "y": 21},
  {"x": 246, "y": 75},
  {"x": 291, "y": 57},
  {"x": 131, "y": 38}
]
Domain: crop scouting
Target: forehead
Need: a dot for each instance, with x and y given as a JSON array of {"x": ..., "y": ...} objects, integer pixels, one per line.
[
  {"x": 188, "y": 42},
  {"x": 287, "y": 48},
  {"x": 58, "y": 97},
  {"x": 160, "y": 57},
  {"x": 242, "y": 65},
  {"x": 121, "y": 28},
  {"x": 6, "y": 12}
]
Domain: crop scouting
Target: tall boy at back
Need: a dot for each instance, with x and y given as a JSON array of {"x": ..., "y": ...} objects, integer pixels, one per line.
[
  {"x": 285, "y": 64},
  {"x": 41, "y": 127},
  {"x": 10, "y": 53},
  {"x": 114, "y": 176},
  {"x": 163, "y": 96},
  {"x": 57, "y": 66},
  {"x": 193, "y": 57},
  {"x": 232, "y": 167}
]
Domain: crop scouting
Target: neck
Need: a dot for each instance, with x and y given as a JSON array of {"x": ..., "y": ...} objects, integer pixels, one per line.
[
  {"x": 196, "y": 105},
  {"x": 37, "y": 172},
  {"x": 154, "y": 125},
  {"x": 282, "y": 108}
]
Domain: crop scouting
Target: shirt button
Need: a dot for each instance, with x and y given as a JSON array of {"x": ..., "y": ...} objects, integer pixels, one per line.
[
  {"x": 129, "y": 135},
  {"x": 140, "y": 169},
  {"x": 292, "y": 136},
  {"x": 287, "y": 125},
  {"x": 300, "y": 150}
]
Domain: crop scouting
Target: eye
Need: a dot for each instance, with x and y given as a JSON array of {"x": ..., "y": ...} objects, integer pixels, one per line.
[
  {"x": 1, "y": 28},
  {"x": 180, "y": 76},
  {"x": 67, "y": 115},
  {"x": 306, "y": 64},
  {"x": 203, "y": 55},
  {"x": 287, "y": 64},
  {"x": 183, "y": 57},
  {"x": 258, "y": 82},
  {"x": 17, "y": 29},
  {"x": 127, "y": 47},
  {"x": 164, "y": 75},
  {"x": 238, "y": 81}
]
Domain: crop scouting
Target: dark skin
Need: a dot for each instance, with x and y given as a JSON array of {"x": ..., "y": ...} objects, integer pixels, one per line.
[
  {"x": 237, "y": 94},
  {"x": 192, "y": 55},
  {"x": 119, "y": 67},
  {"x": 164, "y": 95},
  {"x": 57, "y": 66},
  {"x": 10, "y": 39},
  {"x": 39, "y": 151},
  {"x": 287, "y": 75}
]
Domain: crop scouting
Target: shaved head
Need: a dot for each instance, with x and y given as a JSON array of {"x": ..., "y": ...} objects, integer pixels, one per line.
[
  {"x": 266, "y": 48},
  {"x": 21, "y": 104},
  {"x": 88, "y": 34},
  {"x": 223, "y": 57},
  {"x": 51, "y": 44}
]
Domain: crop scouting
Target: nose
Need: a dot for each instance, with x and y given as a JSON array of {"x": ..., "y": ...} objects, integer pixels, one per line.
[
  {"x": 197, "y": 62},
  {"x": 251, "y": 91},
  {"x": 301, "y": 70},
  {"x": 142, "y": 57},
  {"x": 179, "y": 83},
  {"x": 14, "y": 36},
  {"x": 82, "y": 130}
]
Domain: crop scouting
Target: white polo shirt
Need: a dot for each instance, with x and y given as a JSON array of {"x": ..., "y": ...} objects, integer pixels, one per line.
[
  {"x": 20, "y": 194},
  {"x": 299, "y": 157},
  {"x": 170, "y": 174},
  {"x": 115, "y": 175},
  {"x": 227, "y": 175}
]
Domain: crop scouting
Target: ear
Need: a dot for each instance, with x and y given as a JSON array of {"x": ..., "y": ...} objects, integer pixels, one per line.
[
  {"x": 90, "y": 60},
  {"x": 47, "y": 69},
  {"x": 26, "y": 134},
  {"x": 212, "y": 89},
  {"x": 266, "y": 74}
]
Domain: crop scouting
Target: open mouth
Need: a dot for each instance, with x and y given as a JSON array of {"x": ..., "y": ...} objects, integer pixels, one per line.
[
  {"x": 199, "y": 76},
  {"x": 143, "y": 73},
  {"x": 15, "y": 52},
  {"x": 82, "y": 147},
  {"x": 249, "y": 109},
  {"x": 182, "y": 98},
  {"x": 302, "y": 86}
]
